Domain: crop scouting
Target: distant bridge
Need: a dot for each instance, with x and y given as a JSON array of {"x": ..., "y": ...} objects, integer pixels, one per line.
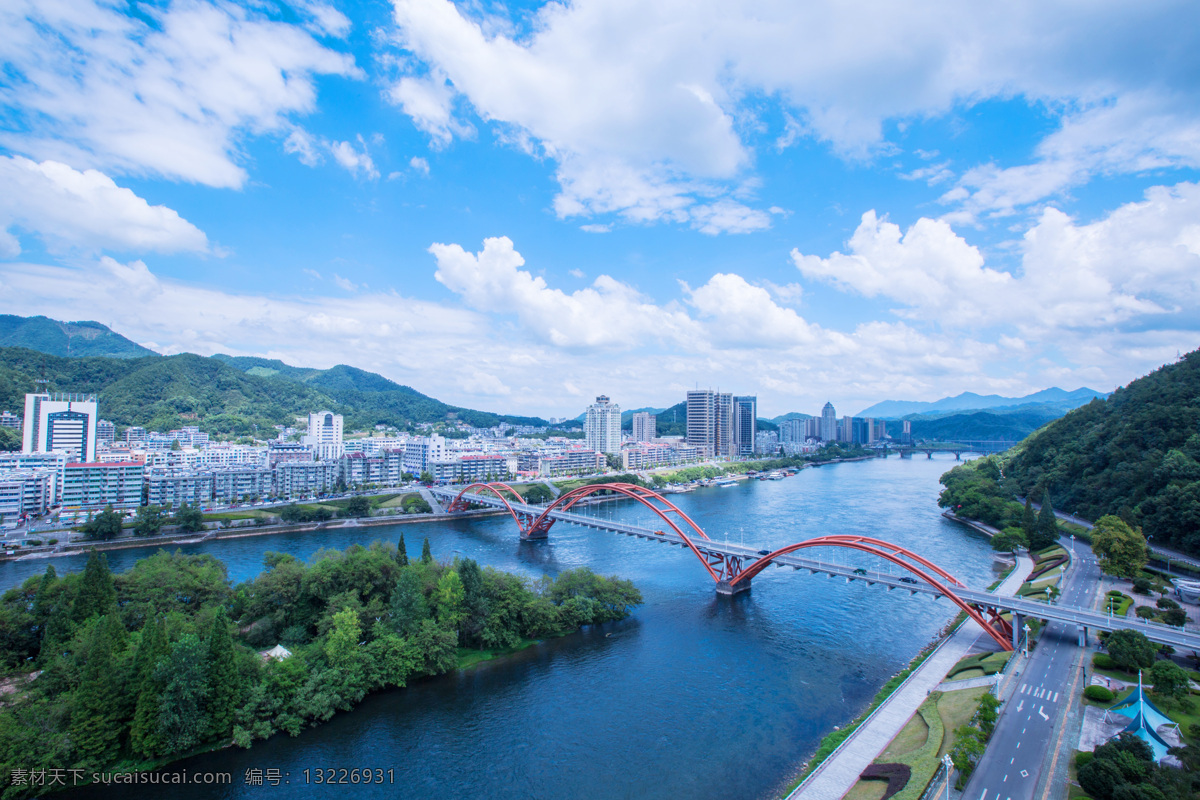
[
  {"x": 733, "y": 566},
  {"x": 983, "y": 448}
]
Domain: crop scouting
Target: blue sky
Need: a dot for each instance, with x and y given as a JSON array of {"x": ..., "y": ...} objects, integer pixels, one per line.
[{"x": 519, "y": 206}]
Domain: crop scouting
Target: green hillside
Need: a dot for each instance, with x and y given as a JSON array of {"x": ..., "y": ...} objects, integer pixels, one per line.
[
  {"x": 163, "y": 392},
  {"x": 1011, "y": 426},
  {"x": 1135, "y": 454},
  {"x": 67, "y": 338}
]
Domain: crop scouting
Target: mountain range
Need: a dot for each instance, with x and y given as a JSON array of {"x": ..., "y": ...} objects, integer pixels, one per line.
[
  {"x": 1048, "y": 399},
  {"x": 67, "y": 339}
]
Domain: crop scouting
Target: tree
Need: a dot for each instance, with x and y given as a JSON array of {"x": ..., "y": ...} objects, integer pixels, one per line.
[
  {"x": 1009, "y": 540},
  {"x": 96, "y": 723},
  {"x": 358, "y": 507},
  {"x": 536, "y": 493},
  {"x": 189, "y": 518},
  {"x": 97, "y": 592},
  {"x": 182, "y": 720},
  {"x": 407, "y": 604},
  {"x": 426, "y": 552},
  {"x": 1028, "y": 519},
  {"x": 1120, "y": 549},
  {"x": 224, "y": 681},
  {"x": 106, "y": 525},
  {"x": 426, "y": 476},
  {"x": 448, "y": 600},
  {"x": 1099, "y": 778},
  {"x": 1130, "y": 649},
  {"x": 968, "y": 747},
  {"x": 401, "y": 552},
  {"x": 341, "y": 646},
  {"x": 1169, "y": 679},
  {"x": 149, "y": 521},
  {"x": 1045, "y": 533},
  {"x": 987, "y": 714}
]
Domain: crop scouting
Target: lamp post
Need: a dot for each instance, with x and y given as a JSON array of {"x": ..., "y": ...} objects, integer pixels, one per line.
[
  {"x": 949, "y": 765},
  {"x": 1072, "y": 545},
  {"x": 1026, "y": 628}
]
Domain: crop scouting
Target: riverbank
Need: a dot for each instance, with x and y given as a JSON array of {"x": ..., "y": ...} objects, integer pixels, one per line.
[{"x": 165, "y": 540}]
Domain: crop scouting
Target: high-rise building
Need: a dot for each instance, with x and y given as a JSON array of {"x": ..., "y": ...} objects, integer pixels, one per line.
[
  {"x": 325, "y": 435},
  {"x": 62, "y": 422},
  {"x": 602, "y": 427},
  {"x": 745, "y": 426},
  {"x": 106, "y": 433},
  {"x": 828, "y": 423},
  {"x": 906, "y": 432},
  {"x": 645, "y": 426},
  {"x": 710, "y": 421}
]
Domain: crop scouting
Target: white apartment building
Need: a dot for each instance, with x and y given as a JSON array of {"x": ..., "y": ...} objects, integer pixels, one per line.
[
  {"x": 602, "y": 426},
  {"x": 65, "y": 422},
  {"x": 53, "y": 463},
  {"x": 325, "y": 435},
  {"x": 25, "y": 492},
  {"x": 645, "y": 426},
  {"x": 710, "y": 422},
  {"x": 421, "y": 451}
]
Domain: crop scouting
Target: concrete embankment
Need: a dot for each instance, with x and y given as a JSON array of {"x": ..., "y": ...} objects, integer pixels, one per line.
[{"x": 130, "y": 542}]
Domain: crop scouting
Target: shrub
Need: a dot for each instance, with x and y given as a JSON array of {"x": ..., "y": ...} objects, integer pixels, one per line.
[
  {"x": 1142, "y": 585},
  {"x": 52, "y": 541},
  {"x": 1114, "y": 593},
  {"x": 1145, "y": 612},
  {"x": 34, "y": 542},
  {"x": 1083, "y": 757},
  {"x": 1102, "y": 661},
  {"x": 1100, "y": 695},
  {"x": 1166, "y": 602},
  {"x": 896, "y": 775},
  {"x": 1175, "y": 616}
]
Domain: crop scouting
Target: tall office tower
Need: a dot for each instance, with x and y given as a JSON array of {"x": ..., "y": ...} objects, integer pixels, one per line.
[
  {"x": 645, "y": 426},
  {"x": 710, "y": 421},
  {"x": 906, "y": 433},
  {"x": 325, "y": 435},
  {"x": 602, "y": 427},
  {"x": 793, "y": 430},
  {"x": 745, "y": 425},
  {"x": 828, "y": 423},
  {"x": 846, "y": 431},
  {"x": 62, "y": 422},
  {"x": 700, "y": 420}
]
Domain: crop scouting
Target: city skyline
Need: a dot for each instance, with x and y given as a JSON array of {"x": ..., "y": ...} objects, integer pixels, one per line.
[{"x": 806, "y": 207}]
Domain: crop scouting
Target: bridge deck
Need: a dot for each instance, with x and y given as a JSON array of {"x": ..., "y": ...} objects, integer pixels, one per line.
[{"x": 1155, "y": 631}]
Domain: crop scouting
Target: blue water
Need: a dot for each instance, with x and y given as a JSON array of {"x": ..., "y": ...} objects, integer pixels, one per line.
[{"x": 693, "y": 696}]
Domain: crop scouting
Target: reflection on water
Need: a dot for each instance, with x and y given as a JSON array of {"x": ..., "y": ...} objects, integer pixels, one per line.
[{"x": 694, "y": 696}]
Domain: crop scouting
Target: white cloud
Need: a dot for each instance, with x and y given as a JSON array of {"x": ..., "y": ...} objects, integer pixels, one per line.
[
  {"x": 419, "y": 165},
  {"x": 356, "y": 161},
  {"x": 304, "y": 146},
  {"x": 1140, "y": 262},
  {"x": 345, "y": 284},
  {"x": 85, "y": 210},
  {"x": 576, "y": 273},
  {"x": 605, "y": 314},
  {"x": 653, "y": 110},
  {"x": 595, "y": 228},
  {"x": 745, "y": 315},
  {"x": 94, "y": 86}
]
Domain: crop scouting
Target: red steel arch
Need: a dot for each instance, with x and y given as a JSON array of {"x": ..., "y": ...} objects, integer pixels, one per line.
[
  {"x": 650, "y": 499},
  {"x": 730, "y": 570},
  {"x": 498, "y": 489},
  {"x": 857, "y": 543}
]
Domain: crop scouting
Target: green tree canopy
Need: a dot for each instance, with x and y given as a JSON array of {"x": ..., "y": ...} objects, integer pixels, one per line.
[
  {"x": 97, "y": 592},
  {"x": 1130, "y": 649},
  {"x": 1121, "y": 550},
  {"x": 189, "y": 518}
]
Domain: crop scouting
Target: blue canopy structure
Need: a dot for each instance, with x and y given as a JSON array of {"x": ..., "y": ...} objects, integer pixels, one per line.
[{"x": 1146, "y": 719}]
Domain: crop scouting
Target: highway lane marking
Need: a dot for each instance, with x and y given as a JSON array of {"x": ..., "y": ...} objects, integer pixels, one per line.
[
  {"x": 1041, "y": 714},
  {"x": 1055, "y": 697},
  {"x": 1019, "y": 704}
]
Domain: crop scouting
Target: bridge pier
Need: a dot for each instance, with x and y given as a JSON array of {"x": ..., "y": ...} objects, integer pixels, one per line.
[
  {"x": 1017, "y": 621},
  {"x": 535, "y": 534},
  {"x": 957, "y": 455},
  {"x": 1083, "y": 639},
  {"x": 929, "y": 454},
  {"x": 729, "y": 590}
]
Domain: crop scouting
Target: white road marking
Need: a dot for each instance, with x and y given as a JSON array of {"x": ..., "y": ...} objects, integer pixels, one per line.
[
  {"x": 1042, "y": 715},
  {"x": 1019, "y": 704},
  {"x": 1056, "y": 697}
]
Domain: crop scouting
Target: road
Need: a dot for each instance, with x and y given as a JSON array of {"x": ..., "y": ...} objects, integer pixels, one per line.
[{"x": 1029, "y": 735}]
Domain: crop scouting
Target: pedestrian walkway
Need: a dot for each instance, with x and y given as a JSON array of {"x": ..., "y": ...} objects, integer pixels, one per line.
[
  {"x": 840, "y": 771},
  {"x": 429, "y": 497}
]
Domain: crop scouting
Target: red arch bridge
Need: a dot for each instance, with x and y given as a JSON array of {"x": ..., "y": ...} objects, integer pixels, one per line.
[{"x": 733, "y": 566}]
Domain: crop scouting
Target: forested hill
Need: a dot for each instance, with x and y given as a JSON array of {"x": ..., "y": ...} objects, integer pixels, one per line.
[
  {"x": 164, "y": 392},
  {"x": 1136, "y": 454},
  {"x": 67, "y": 338}
]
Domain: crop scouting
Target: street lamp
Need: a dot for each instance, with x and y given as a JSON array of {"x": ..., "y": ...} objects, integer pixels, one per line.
[
  {"x": 949, "y": 765},
  {"x": 1026, "y": 628},
  {"x": 1072, "y": 545}
]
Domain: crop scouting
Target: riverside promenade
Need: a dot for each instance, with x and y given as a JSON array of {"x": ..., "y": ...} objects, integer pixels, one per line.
[{"x": 839, "y": 772}]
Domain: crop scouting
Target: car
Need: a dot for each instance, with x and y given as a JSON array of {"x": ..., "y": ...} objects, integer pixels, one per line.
[
  {"x": 860, "y": 571},
  {"x": 907, "y": 579},
  {"x": 764, "y": 552}
]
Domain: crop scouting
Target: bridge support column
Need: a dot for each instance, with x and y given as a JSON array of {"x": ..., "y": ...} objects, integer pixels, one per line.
[
  {"x": 957, "y": 456},
  {"x": 1017, "y": 622},
  {"x": 929, "y": 454},
  {"x": 729, "y": 590},
  {"x": 534, "y": 534},
  {"x": 1082, "y": 635}
]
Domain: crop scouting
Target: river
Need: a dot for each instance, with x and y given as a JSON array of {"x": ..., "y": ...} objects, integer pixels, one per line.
[{"x": 693, "y": 696}]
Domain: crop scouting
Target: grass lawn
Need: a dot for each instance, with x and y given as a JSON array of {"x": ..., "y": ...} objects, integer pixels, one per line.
[
  {"x": 911, "y": 737},
  {"x": 866, "y": 790},
  {"x": 956, "y": 709},
  {"x": 250, "y": 513},
  {"x": 397, "y": 500},
  {"x": 977, "y": 666},
  {"x": 924, "y": 759},
  {"x": 469, "y": 656}
]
